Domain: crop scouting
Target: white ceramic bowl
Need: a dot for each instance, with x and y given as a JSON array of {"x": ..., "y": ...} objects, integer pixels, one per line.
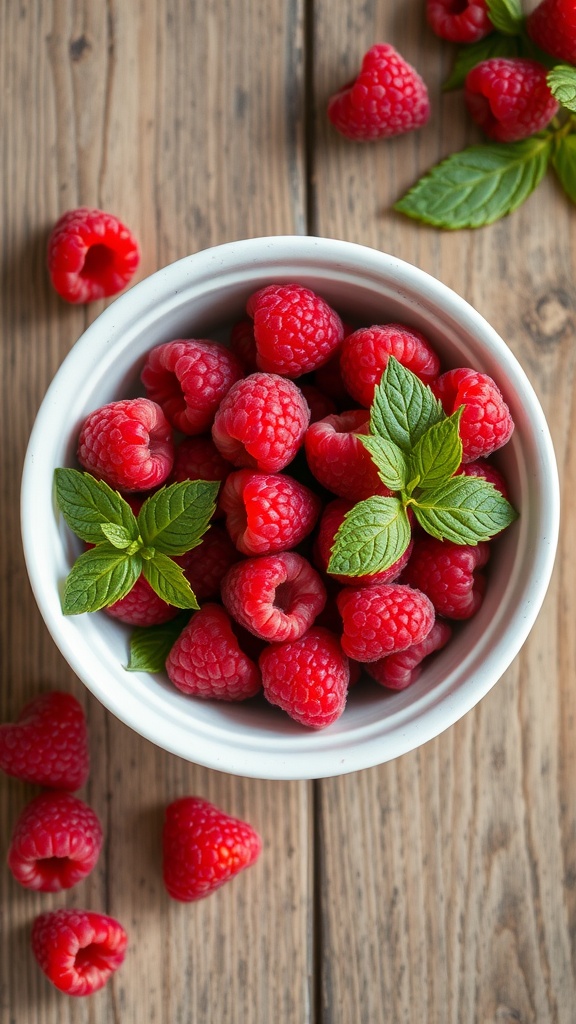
[{"x": 195, "y": 297}]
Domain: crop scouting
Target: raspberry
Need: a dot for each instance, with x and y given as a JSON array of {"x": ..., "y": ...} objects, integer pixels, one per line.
[
  {"x": 486, "y": 423},
  {"x": 446, "y": 573},
  {"x": 48, "y": 744},
  {"x": 332, "y": 517},
  {"x": 55, "y": 842},
  {"x": 267, "y": 512},
  {"x": 485, "y": 471},
  {"x": 141, "y": 606},
  {"x": 387, "y": 98},
  {"x": 459, "y": 21},
  {"x": 398, "y": 671},
  {"x": 206, "y": 565},
  {"x": 197, "y": 458},
  {"x": 383, "y": 619},
  {"x": 207, "y": 660},
  {"x": 308, "y": 678},
  {"x": 188, "y": 378},
  {"x": 203, "y": 848},
  {"x": 320, "y": 405},
  {"x": 276, "y": 597},
  {"x": 78, "y": 950},
  {"x": 295, "y": 330},
  {"x": 243, "y": 344},
  {"x": 91, "y": 255},
  {"x": 552, "y": 26},
  {"x": 261, "y": 422},
  {"x": 509, "y": 98},
  {"x": 338, "y": 460},
  {"x": 365, "y": 354},
  {"x": 128, "y": 444}
]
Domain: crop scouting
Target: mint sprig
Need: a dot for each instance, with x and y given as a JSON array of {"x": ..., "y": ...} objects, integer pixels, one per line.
[
  {"x": 506, "y": 15},
  {"x": 403, "y": 408},
  {"x": 150, "y": 645},
  {"x": 88, "y": 505},
  {"x": 562, "y": 83},
  {"x": 373, "y": 535},
  {"x": 464, "y": 510},
  {"x": 99, "y": 577},
  {"x": 564, "y": 163}
]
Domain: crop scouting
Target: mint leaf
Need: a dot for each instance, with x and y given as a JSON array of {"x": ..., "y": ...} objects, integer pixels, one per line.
[
  {"x": 464, "y": 510},
  {"x": 506, "y": 15},
  {"x": 389, "y": 460},
  {"x": 99, "y": 577},
  {"x": 168, "y": 580},
  {"x": 87, "y": 503},
  {"x": 564, "y": 163},
  {"x": 118, "y": 536},
  {"x": 403, "y": 408},
  {"x": 373, "y": 535},
  {"x": 151, "y": 645},
  {"x": 494, "y": 45},
  {"x": 479, "y": 185},
  {"x": 562, "y": 83},
  {"x": 174, "y": 519},
  {"x": 438, "y": 453}
]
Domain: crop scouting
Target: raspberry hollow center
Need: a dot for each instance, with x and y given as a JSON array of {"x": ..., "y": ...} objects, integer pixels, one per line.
[
  {"x": 99, "y": 259},
  {"x": 284, "y": 597},
  {"x": 94, "y": 956}
]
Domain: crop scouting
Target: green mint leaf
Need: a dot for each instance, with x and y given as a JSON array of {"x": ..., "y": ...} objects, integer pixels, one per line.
[
  {"x": 99, "y": 577},
  {"x": 464, "y": 510},
  {"x": 118, "y": 536},
  {"x": 564, "y": 163},
  {"x": 388, "y": 458},
  {"x": 506, "y": 15},
  {"x": 167, "y": 578},
  {"x": 151, "y": 645},
  {"x": 493, "y": 45},
  {"x": 174, "y": 519},
  {"x": 373, "y": 535},
  {"x": 438, "y": 453},
  {"x": 562, "y": 82},
  {"x": 86, "y": 504},
  {"x": 479, "y": 185},
  {"x": 403, "y": 408}
]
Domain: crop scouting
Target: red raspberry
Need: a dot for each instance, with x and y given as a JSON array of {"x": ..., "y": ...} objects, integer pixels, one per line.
[
  {"x": 446, "y": 573},
  {"x": 206, "y": 565},
  {"x": 486, "y": 423},
  {"x": 485, "y": 471},
  {"x": 308, "y": 678},
  {"x": 459, "y": 21},
  {"x": 332, "y": 517},
  {"x": 267, "y": 512},
  {"x": 197, "y": 458},
  {"x": 276, "y": 597},
  {"x": 509, "y": 98},
  {"x": 207, "y": 660},
  {"x": 338, "y": 460},
  {"x": 203, "y": 848},
  {"x": 295, "y": 329},
  {"x": 128, "y": 444},
  {"x": 91, "y": 254},
  {"x": 48, "y": 744},
  {"x": 78, "y": 950},
  {"x": 141, "y": 606},
  {"x": 398, "y": 671},
  {"x": 243, "y": 344},
  {"x": 55, "y": 842},
  {"x": 552, "y": 26},
  {"x": 365, "y": 354},
  {"x": 261, "y": 422},
  {"x": 387, "y": 98},
  {"x": 188, "y": 378},
  {"x": 320, "y": 405},
  {"x": 383, "y": 619}
]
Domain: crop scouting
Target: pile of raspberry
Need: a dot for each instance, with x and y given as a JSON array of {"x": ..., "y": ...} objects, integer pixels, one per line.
[{"x": 276, "y": 416}]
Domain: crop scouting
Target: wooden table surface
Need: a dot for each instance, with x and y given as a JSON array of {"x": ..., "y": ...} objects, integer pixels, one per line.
[{"x": 440, "y": 887}]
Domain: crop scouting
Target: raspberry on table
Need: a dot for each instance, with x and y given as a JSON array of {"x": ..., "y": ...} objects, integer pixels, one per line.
[
  {"x": 91, "y": 255},
  {"x": 446, "y": 572},
  {"x": 339, "y": 460},
  {"x": 276, "y": 597},
  {"x": 459, "y": 21},
  {"x": 55, "y": 843},
  {"x": 397, "y": 671},
  {"x": 294, "y": 328},
  {"x": 261, "y": 422},
  {"x": 141, "y": 606},
  {"x": 383, "y": 619},
  {"x": 197, "y": 458},
  {"x": 207, "y": 659},
  {"x": 387, "y": 98},
  {"x": 128, "y": 444},
  {"x": 308, "y": 678},
  {"x": 78, "y": 950},
  {"x": 188, "y": 378},
  {"x": 206, "y": 565},
  {"x": 365, "y": 354},
  {"x": 267, "y": 512},
  {"x": 48, "y": 744},
  {"x": 552, "y": 26},
  {"x": 509, "y": 97},
  {"x": 331, "y": 519},
  {"x": 203, "y": 847},
  {"x": 486, "y": 423}
]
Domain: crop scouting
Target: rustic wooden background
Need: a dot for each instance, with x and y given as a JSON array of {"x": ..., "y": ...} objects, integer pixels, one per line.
[{"x": 440, "y": 887}]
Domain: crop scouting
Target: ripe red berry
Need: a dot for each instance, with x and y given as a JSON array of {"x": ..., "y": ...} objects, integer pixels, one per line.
[
  {"x": 486, "y": 423},
  {"x": 267, "y": 512},
  {"x": 206, "y": 565},
  {"x": 295, "y": 329},
  {"x": 509, "y": 98},
  {"x": 365, "y": 354},
  {"x": 447, "y": 573},
  {"x": 128, "y": 444},
  {"x": 78, "y": 950},
  {"x": 48, "y": 744},
  {"x": 397, "y": 671},
  {"x": 552, "y": 26},
  {"x": 332, "y": 518},
  {"x": 276, "y": 597},
  {"x": 208, "y": 661},
  {"x": 91, "y": 255},
  {"x": 387, "y": 98},
  {"x": 308, "y": 678},
  {"x": 459, "y": 21},
  {"x": 141, "y": 606},
  {"x": 203, "y": 848},
  {"x": 383, "y": 619},
  {"x": 197, "y": 458},
  {"x": 339, "y": 460},
  {"x": 55, "y": 842}
]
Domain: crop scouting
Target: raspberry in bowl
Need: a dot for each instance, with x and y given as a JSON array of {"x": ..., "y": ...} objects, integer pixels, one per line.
[{"x": 203, "y": 296}]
